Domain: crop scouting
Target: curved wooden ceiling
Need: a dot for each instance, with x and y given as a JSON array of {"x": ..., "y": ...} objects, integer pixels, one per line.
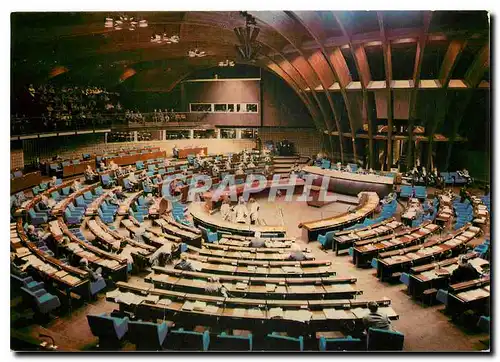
[{"x": 313, "y": 51}]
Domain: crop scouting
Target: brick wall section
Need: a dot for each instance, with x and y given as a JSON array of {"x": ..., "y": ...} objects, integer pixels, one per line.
[
  {"x": 307, "y": 140},
  {"x": 16, "y": 159}
]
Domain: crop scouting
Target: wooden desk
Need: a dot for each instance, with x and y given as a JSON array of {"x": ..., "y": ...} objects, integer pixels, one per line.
[
  {"x": 368, "y": 203},
  {"x": 133, "y": 158},
  {"x": 202, "y": 217},
  {"x": 78, "y": 169},
  {"x": 25, "y": 181},
  {"x": 184, "y": 152},
  {"x": 343, "y": 240}
]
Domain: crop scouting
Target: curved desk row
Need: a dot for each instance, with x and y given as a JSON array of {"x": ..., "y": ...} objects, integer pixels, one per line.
[
  {"x": 25, "y": 181},
  {"x": 349, "y": 183},
  {"x": 202, "y": 217},
  {"x": 367, "y": 206},
  {"x": 259, "y": 315}
]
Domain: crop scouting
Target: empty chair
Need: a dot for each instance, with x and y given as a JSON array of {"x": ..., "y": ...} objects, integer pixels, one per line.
[
  {"x": 37, "y": 218},
  {"x": 341, "y": 344},
  {"x": 180, "y": 339},
  {"x": 277, "y": 342},
  {"x": 442, "y": 296},
  {"x": 484, "y": 324},
  {"x": 18, "y": 173},
  {"x": 107, "y": 181},
  {"x": 41, "y": 301},
  {"x": 405, "y": 278},
  {"x": 225, "y": 342},
  {"x": 108, "y": 329},
  {"x": 207, "y": 235},
  {"x": 326, "y": 240},
  {"x": 26, "y": 282},
  {"x": 66, "y": 191},
  {"x": 97, "y": 286},
  {"x": 72, "y": 219},
  {"x": 384, "y": 340},
  {"x": 147, "y": 335},
  {"x": 139, "y": 165}
]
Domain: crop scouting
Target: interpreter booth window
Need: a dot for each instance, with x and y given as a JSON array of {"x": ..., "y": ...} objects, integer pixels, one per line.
[
  {"x": 147, "y": 136},
  {"x": 200, "y": 107},
  {"x": 204, "y": 133},
  {"x": 251, "y": 108},
  {"x": 249, "y": 133},
  {"x": 220, "y": 107},
  {"x": 176, "y": 135},
  {"x": 120, "y": 137},
  {"x": 227, "y": 133}
]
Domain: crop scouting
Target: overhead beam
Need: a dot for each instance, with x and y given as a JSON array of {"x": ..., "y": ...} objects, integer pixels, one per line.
[
  {"x": 363, "y": 68},
  {"x": 308, "y": 19},
  {"x": 386, "y": 50},
  {"x": 283, "y": 25},
  {"x": 419, "y": 56}
]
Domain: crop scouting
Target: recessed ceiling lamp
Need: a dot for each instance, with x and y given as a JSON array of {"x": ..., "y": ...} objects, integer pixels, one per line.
[
  {"x": 196, "y": 53},
  {"x": 163, "y": 38},
  {"x": 125, "y": 22},
  {"x": 226, "y": 63}
]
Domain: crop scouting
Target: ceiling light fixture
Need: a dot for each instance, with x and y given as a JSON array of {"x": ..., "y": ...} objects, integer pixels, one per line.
[
  {"x": 124, "y": 22},
  {"x": 226, "y": 63},
  {"x": 196, "y": 53},
  {"x": 164, "y": 39}
]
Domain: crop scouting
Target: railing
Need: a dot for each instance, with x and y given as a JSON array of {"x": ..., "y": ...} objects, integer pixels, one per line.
[{"x": 35, "y": 125}]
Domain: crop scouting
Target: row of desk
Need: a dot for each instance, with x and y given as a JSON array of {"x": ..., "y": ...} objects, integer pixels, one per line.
[
  {"x": 261, "y": 316},
  {"x": 368, "y": 202},
  {"x": 401, "y": 260},
  {"x": 25, "y": 181},
  {"x": 344, "y": 239}
]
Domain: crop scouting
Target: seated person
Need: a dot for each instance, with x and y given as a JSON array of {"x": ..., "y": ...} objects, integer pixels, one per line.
[
  {"x": 134, "y": 182},
  {"x": 239, "y": 171},
  {"x": 184, "y": 265},
  {"x": 464, "y": 272},
  {"x": 348, "y": 168},
  {"x": 175, "y": 151},
  {"x": 102, "y": 166},
  {"x": 376, "y": 319},
  {"x": 251, "y": 165},
  {"x": 113, "y": 166},
  {"x": 241, "y": 211},
  {"x": 76, "y": 185},
  {"x": 38, "y": 237},
  {"x": 90, "y": 175},
  {"x": 149, "y": 200},
  {"x": 53, "y": 182},
  {"x": 147, "y": 182},
  {"x": 296, "y": 254},
  {"x": 161, "y": 255},
  {"x": 166, "y": 162},
  {"x": 214, "y": 287},
  {"x": 225, "y": 210},
  {"x": 228, "y": 165},
  {"x": 94, "y": 275},
  {"x": 215, "y": 170},
  {"x": 257, "y": 242},
  {"x": 295, "y": 169},
  {"x": 254, "y": 211}
]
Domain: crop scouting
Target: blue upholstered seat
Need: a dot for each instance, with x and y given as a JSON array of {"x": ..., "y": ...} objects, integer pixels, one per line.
[
  {"x": 341, "y": 344},
  {"x": 106, "y": 327},
  {"x": 225, "y": 342},
  {"x": 277, "y": 342},
  {"x": 384, "y": 340},
  {"x": 147, "y": 335},
  {"x": 179, "y": 339}
]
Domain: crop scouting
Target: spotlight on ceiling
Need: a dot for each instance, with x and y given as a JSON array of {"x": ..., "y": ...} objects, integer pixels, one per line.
[
  {"x": 164, "y": 39},
  {"x": 196, "y": 53},
  {"x": 226, "y": 63},
  {"x": 124, "y": 22}
]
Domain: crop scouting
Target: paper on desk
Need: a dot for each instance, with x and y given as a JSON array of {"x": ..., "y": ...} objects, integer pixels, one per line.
[
  {"x": 199, "y": 306},
  {"x": 239, "y": 312},
  {"x": 113, "y": 294},
  {"x": 153, "y": 299},
  {"x": 298, "y": 315},
  {"x": 335, "y": 314},
  {"x": 270, "y": 287},
  {"x": 276, "y": 313},
  {"x": 211, "y": 309},
  {"x": 164, "y": 302},
  {"x": 189, "y": 306}
]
